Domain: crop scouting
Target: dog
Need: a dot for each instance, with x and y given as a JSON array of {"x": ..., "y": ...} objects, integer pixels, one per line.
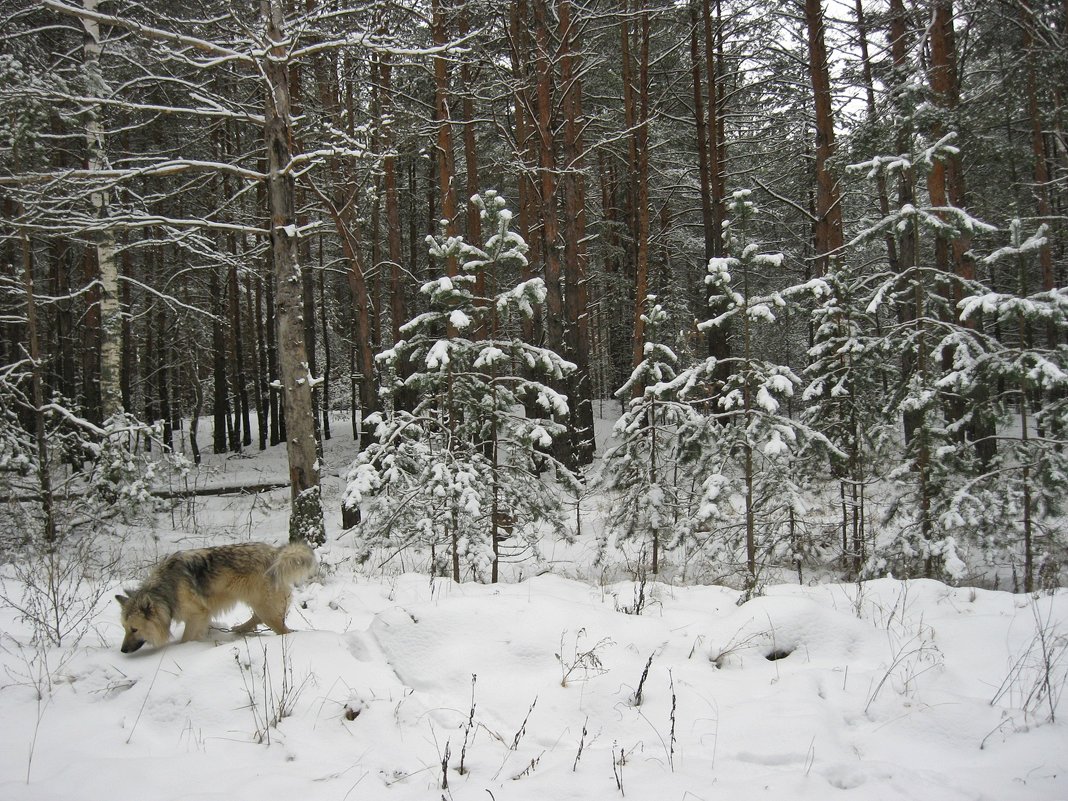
[{"x": 194, "y": 586}]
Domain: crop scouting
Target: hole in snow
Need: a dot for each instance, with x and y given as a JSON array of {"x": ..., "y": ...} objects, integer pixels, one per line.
[{"x": 778, "y": 653}]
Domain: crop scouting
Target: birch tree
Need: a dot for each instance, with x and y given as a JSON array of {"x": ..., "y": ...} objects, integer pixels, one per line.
[
  {"x": 106, "y": 257},
  {"x": 269, "y": 55},
  {"x": 306, "y": 518}
]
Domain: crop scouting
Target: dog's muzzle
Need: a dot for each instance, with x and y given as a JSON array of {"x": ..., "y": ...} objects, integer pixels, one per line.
[{"x": 129, "y": 646}]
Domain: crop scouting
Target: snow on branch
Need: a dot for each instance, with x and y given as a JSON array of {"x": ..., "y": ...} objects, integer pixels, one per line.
[
  {"x": 163, "y": 168},
  {"x": 224, "y": 54},
  {"x": 210, "y": 108},
  {"x": 170, "y": 300}
]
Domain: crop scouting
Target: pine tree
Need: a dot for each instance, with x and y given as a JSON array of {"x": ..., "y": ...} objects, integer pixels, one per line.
[
  {"x": 847, "y": 378},
  {"x": 746, "y": 445},
  {"x": 929, "y": 341},
  {"x": 1004, "y": 507},
  {"x": 648, "y": 484},
  {"x": 461, "y": 469}
]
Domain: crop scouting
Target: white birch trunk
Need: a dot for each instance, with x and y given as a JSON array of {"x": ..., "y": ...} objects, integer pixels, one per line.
[
  {"x": 306, "y": 520},
  {"x": 106, "y": 258}
]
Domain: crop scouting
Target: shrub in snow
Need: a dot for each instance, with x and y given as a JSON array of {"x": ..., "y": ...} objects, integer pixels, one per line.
[
  {"x": 462, "y": 470},
  {"x": 58, "y": 509}
]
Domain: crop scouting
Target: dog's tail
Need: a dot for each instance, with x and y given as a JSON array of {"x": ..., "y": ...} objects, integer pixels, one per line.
[{"x": 292, "y": 563}]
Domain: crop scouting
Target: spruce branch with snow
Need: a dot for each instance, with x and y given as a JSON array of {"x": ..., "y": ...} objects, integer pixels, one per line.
[
  {"x": 966, "y": 478},
  {"x": 1006, "y": 507}
]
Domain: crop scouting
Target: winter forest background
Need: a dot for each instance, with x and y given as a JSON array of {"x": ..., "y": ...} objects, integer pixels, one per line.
[{"x": 811, "y": 255}]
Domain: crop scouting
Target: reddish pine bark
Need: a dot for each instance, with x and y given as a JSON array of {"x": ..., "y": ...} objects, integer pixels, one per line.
[{"x": 828, "y": 207}]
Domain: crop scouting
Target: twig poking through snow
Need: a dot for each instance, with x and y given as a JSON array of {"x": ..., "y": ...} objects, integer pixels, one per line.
[
  {"x": 582, "y": 744},
  {"x": 523, "y": 728},
  {"x": 671, "y": 717},
  {"x": 469, "y": 727},
  {"x": 641, "y": 681},
  {"x": 144, "y": 703}
]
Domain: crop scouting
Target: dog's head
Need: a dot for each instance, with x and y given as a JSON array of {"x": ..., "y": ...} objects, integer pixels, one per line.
[{"x": 144, "y": 621}]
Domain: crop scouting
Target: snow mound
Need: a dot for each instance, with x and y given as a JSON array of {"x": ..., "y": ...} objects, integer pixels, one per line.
[{"x": 773, "y": 628}]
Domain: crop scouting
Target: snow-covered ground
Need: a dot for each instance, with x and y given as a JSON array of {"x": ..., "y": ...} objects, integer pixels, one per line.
[
  {"x": 528, "y": 689},
  {"x": 891, "y": 690}
]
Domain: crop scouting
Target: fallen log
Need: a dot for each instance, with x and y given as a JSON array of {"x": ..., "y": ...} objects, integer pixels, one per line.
[
  {"x": 170, "y": 494},
  {"x": 225, "y": 489}
]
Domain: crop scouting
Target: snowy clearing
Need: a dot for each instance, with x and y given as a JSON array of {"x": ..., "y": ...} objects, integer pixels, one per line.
[
  {"x": 527, "y": 690},
  {"x": 883, "y": 690}
]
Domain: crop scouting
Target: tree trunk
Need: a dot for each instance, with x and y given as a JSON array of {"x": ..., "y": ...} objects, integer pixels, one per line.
[
  {"x": 262, "y": 390},
  {"x": 518, "y": 34},
  {"x": 630, "y": 120},
  {"x": 198, "y": 405},
  {"x": 325, "y": 393},
  {"x": 900, "y": 46},
  {"x": 350, "y": 247},
  {"x": 641, "y": 149},
  {"x": 550, "y": 240},
  {"x": 397, "y": 303},
  {"x": 1038, "y": 150},
  {"x": 44, "y": 472},
  {"x": 304, "y": 250},
  {"x": 106, "y": 261},
  {"x": 467, "y": 109},
  {"x": 64, "y": 318},
  {"x": 91, "y": 338},
  {"x": 62, "y": 259},
  {"x": 446, "y": 156},
  {"x": 238, "y": 351},
  {"x": 129, "y": 349},
  {"x": 828, "y": 208},
  {"x": 163, "y": 390},
  {"x": 576, "y": 257},
  {"x": 149, "y": 365},
  {"x": 527, "y": 155},
  {"x": 347, "y": 225},
  {"x": 306, "y": 520},
  {"x": 945, "y": 182},
  {"x": 946, "y": 187},
  {"x": 717, "y": 167},
  {"x": 707, "y": 222},
  {"x": 873, "y": 120},
  {"x": 220, "y": 391},
  {"x": 718, "y": 337}
]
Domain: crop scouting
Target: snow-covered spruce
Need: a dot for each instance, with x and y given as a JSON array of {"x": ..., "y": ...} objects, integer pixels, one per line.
[
  {"x": 651, "y": 487},
  {"x": 452, "y": 475},
  {"x": 977, "y": 383},
  {"x": 743, "y": 448}
]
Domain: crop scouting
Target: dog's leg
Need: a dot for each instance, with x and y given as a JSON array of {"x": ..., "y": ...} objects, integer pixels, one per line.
[
  {"x": 248, "y": 626},
  {"x": 277, "y": 622},
  {"x": 196, "y": 627},
  {"x": 273, "y": 613}
]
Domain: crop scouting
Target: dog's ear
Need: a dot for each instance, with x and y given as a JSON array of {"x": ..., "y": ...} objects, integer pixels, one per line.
[
  {"x": 146, "y": 608},
  {"x": 123, "y": 600}
]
